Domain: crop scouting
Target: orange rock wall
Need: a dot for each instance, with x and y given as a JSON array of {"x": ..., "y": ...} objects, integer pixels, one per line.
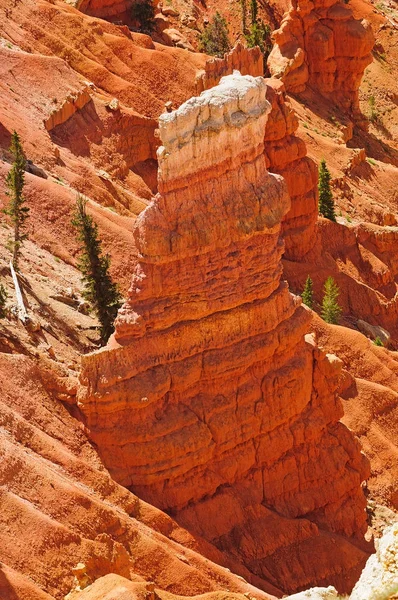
[
  {"x": 248, "y": 61},
  {"x": 286, "y": 154},
  {"x": 113, "y": 10},
  {"x": 69, "y": 106},
  {"x": 320, "y": 45},
  {"x": 209, "y": 402}
]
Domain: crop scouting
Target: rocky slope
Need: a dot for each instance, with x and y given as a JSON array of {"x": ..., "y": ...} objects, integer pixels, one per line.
[{"x": 226, "y": 416}]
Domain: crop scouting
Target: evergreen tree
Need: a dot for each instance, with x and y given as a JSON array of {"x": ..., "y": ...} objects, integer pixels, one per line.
[
  {"x": 326, "y": 203},
  {"x": 243, "y": 6},
  {"x": 258, "y": 34},
  {"x": 3, "y": 300},
  {"x": 214, "y": 39},
  {"x": 16, "y": 209},
  {"x": 307, "y": 292},
  {"x": 331, "y": 310},
  {"x": 99, "y": 288},
  {"x": 253, "y": 11}
]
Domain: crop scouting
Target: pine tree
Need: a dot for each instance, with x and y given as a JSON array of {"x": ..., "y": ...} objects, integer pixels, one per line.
[
  {"x": 326, "y": 203},
  {"x": 258, "y": 34},
  {"x": 99, "y": 288},
  {"x": 331, "y": 310},
  {"x": 3, "y": 300},
  {"x": 16, "y": 209},
  {"x": 214, "y": 39},
  {"x": 244, "y": 9},
  {"x": 307, "y": 292},
  {"x": 253, "y": 11}
]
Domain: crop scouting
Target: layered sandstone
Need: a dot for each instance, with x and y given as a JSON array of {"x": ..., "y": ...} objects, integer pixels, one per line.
[
  {"x": 67, "y": 108},
  {"x": 248, "y": 61},
  {"x": 320, "y": 45},
  {"x": 208, "y": 401},
  {"x": 286, "y": 154}
]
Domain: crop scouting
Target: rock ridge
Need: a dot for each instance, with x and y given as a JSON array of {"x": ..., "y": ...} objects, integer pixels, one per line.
[{"x": 226, "y": 413}]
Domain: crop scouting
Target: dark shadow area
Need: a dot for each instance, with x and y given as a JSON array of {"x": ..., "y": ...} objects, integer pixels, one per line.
[
  {"x": 7, "y": 590},
  {"x": 148, "y": 171},
  {"x": 374, "y": 147}
]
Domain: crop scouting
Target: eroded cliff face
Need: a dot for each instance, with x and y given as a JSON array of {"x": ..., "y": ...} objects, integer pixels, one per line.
[
  {"x": 209, "y": 402},
  {"x": 320, "y": 45},
  {"x": 286, "y": 154}
]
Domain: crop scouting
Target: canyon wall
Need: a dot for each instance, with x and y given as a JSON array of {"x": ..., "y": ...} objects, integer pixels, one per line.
[
  {"x": 209, "y": 402},
  {"x": 320, "y": 45},
  {"x": 286, "y": 154}
]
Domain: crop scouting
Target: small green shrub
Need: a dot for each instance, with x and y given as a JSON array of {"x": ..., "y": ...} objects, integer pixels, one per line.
[
  {"x": 307, "y": 295},
  {"x": 3, "y": 300},
  {"x": 326, "y": 202},
  {"x": 373, "y": 114},
  {"x": 260, "y": 35},
  {"x": 331, "y": 310}
]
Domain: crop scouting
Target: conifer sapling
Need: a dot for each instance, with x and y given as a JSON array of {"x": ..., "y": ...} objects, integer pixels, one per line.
[
  {"x": 307, "y": 292},
  {"x": 99, "y": 289},
  {"x": 16, "y": 209},
  {"x": 331, "y": 309},
  {"x": 326, "y": 202},
  {"x": 214, "y": 39},
  {"x": 3, "y": 300}
]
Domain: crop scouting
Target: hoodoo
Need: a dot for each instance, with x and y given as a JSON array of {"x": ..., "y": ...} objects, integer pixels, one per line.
[
  {"x": 321, "y": 46},
  {"x": 209, "y": 402}
]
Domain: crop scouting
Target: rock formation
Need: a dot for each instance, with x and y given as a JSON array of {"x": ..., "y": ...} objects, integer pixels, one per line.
[
  {"x": 209, "y": 402},
  {"x": 248, "y": 61},
  {"x": 286, "y": 154},
  {"x": 112, "y": 10},
  {"x": 320, "y": 45},
  {"x": 68, "y": 107}
]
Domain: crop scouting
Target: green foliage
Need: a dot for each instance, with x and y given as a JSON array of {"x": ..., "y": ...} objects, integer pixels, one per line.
[
  {"x": 326, "y": 202},
  {"x": 214, "y": 39},
  {"x": 99, "y": 288},
  {"x": 253, "y": 10},
  {"x": 243, "y": 6},
  {"x": 260, "y": 35},
  {"x": 144, "y": 13},
  {"x": 308, "y": 292},
  {"x": 373, "y": 115},
  {"x": 3, "y": 300},
  {"x": 378, "y": 342},
  {"x": 16, "y": 209},
  {"x": 331, "y": 310}
]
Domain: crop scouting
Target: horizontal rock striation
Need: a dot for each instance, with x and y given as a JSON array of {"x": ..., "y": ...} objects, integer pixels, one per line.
[
  {"x": 209, "y": 402},
  {"x": 286, "y": 154},
  {"x": 320, "y": 45}
]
